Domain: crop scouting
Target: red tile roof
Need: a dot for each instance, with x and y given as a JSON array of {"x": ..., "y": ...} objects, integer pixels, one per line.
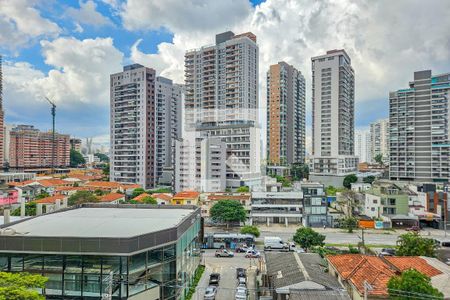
[
  {"x": 112, "y": 185},
  {"x": 187, "y": 195},
  {"x": 111, "y": 197},
  {"x": 51, "y": 199},
  {"x": 53, "y": 182},
  {"x": 141, "y": 196},
  {"x": 413, "y": 262},
  {"x": 163, "y": 196},
  {"x": 357, "y": 268},
  {"x": 23, "y": 183}
]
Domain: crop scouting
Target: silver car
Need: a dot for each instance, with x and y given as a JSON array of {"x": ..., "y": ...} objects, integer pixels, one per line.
[
  {"x": 210, "y": 293},
  {"x": 241, "y": 293}
]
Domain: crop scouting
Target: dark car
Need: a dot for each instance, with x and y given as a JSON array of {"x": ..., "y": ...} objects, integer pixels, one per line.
[
  {"x": 214, "y": 279},
  {"x": 387, "y": 252},
  {"x": 240, "y": 272}
]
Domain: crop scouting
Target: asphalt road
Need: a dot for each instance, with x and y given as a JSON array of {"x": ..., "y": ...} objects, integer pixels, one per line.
[{"x": 227, "y": 269}]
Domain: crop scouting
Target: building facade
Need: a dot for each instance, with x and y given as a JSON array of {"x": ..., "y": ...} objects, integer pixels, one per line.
[
  {"x": 363, "y": 145},
  {"x": 419, "y": 134},
  {"x": 379, "y": 140},
  {"x": 75, "y": 144},
  {"x": 333, "y": 97},
  {"x": 31, "y": 148},
  {"x": 2, "y": 117},
  {"x": 285, "y": 115},
  {"x": 154, "y": 259},
  {"x": 222, "y": 101},
  {"x": 144, "y": 113}
]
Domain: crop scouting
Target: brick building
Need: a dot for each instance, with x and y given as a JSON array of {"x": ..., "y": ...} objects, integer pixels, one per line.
[{"x": 31, "y": 148}]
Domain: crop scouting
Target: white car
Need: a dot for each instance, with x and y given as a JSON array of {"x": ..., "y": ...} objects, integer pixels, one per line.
[
  {"x": 242, "y": 281},
  {"x": 241, "y": 294},
  {"x": 210, "y": 293},
  {"x": 252, "y": 254}
]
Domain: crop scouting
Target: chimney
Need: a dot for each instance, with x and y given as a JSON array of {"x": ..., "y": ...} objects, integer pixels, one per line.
[
  {"x": 6, "y": 216},
  {"x": 39, "y": 209}
]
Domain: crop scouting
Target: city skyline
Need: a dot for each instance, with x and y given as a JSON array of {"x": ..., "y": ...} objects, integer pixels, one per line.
[{"x": 62, "y": 66}]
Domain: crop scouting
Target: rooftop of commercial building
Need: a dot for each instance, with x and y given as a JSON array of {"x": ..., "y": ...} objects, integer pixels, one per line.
[{"x": 115, "y": 222}]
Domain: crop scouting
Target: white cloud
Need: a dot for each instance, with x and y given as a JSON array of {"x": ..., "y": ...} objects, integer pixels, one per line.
[
  {"x": 183, "y": 16},
  {"x": 88, "y": 14},
  {"x": 21, "y": 22}
]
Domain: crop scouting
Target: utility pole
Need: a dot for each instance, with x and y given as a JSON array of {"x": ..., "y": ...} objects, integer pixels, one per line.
[{"x": 53, "y": 112}]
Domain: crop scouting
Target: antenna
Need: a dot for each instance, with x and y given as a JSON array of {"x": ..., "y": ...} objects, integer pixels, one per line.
[{"x": 53, "y": 112}]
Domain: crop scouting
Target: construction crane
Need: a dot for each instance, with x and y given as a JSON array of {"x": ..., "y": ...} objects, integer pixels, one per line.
[{"x": 53, "y": 111}]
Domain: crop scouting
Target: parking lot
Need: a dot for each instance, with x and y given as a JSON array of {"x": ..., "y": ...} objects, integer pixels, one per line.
[{"x": 226, "y": 267}]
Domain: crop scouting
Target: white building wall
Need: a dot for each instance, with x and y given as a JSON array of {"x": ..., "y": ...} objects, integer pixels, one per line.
[{"x": 363, "y": 145}]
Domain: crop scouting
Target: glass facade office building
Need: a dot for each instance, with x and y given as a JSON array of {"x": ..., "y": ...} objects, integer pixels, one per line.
[{"x": 164, "y": 271}]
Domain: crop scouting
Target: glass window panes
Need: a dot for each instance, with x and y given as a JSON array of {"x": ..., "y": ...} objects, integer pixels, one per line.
[{"x": 33, "y": 263}]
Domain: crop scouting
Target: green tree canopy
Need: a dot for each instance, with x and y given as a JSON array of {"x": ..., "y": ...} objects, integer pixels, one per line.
[
  {"x": 42, "y": 195},
  {"x": 412, "y": 284},
  {"x": 137, "y": 192},
  {"x": 349, "y": 223},
  {"x": 81, "y": 197},
  {"x": 306, "y": 237},
  {"x": 149, "y": 200},
  {"x": 76, "y": 158},
  {"x": 20, "y": 286},
  {"x": 299, "y": 171},
  {"x": 243, "y": 189},
  {"x": 160, "y": 190},
  {"x": 348, "y": 180},
  {"x": 228, "y": 211},
  {"x": 105, "y": 169},
  {"x": 369, "y": 179},
  {"x": 379, "y": 159},
  {"x": 412, "y": 244},
  {"x": 30, "y": 210},
  {"x": 247, "y": 229}
]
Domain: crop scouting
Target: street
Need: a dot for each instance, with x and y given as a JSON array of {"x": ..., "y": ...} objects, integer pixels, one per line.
[{"x": 226, "y": 266}]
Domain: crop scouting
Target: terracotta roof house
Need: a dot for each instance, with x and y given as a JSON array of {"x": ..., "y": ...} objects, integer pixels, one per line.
[
  {"x": 54, "y": 182},
  {"x": 163, "y": 198},
  {"x": 356, "y": 270},
  {"x": 186, "y": 198},
  {"x": 114, "y": 198},
  {"x": 51, "y": 199}
]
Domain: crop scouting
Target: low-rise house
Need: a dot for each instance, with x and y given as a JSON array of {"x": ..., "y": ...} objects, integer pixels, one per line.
[
  {"x": 163, "y": 198},
  {"x": 9, "y": 196},
  {"x": 113, "y": 198},
  {"x": 51, "y": 199},
  {"x": 385, "y": 198},
  {"x": 277, "y": 207},
  {"x": 29, "y": 192},
  {"x": 370, "y": 274},
  {"x": 113, "y": 186},
  {"x": 360, "y": 187},
  {"x": 186, "y": 198},
  {"x": 316, "y": 205},
  {"x": 294, "y": 275}
]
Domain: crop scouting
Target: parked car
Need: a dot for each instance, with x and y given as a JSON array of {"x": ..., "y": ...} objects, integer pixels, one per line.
[
  {"x": 224, "y": 253},
  {"x": 252, "y": 254},
  {"x": 387, "y": 252},
  {"x": 241, "y": 294},
  {"x": 413, "y": 228},
  {"x": 292, "y": 246},
  {"x": 214, "y": 279},
  {"x": 243, "y": 248},
  {"x": 210, "y": 293},
  {"x": 242, "y": 281},
  {"x": 241, "y": 272}
]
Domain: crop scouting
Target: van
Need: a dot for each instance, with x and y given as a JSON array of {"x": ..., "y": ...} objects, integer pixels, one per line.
[{"x": 274, "y": 242}]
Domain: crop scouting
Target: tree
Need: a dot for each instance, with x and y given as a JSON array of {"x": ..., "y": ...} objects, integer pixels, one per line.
[
  {"x": 42, "y": 195},
  {"x": 149, "y": 200},
  {"x": 102, "y": 157},
  {"x": 99, "y": 192},
  {"x": 30, "y": 210},
  {"x": 76, "y": 158},
  {"x": 306, "y": 237},
  {"x": 243, "y": 189},
  {"x": 160, "y": 190},
  {"x": 412, "y": 244},
  {"x": 379, "y": 159},
  {"x": 105, "y": 169},
  {"x": 247, "y": 229},
  {"x": 284, "y": 181},
  {"x": 228, "y": 211},
  {"x": 137, "y": 192},
  {"x": 348, "y": 180},
  {"x": 369, "y": 179},
  {"x": 412, "y": 284},
  {"x": 81, "y": 197},
  {"x": 299, "y": 171},
  {"x": 331, "y": 190},
  {"x": 21, "y": 286},
  {"x": 348, "y": 202},
  {"x": 349, "y": 223}
]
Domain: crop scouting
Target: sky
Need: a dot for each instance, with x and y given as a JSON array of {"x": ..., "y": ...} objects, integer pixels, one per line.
[{"x": 66, "y": 50}]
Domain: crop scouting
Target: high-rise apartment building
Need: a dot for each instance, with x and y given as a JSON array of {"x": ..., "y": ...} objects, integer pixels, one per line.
[
  {"x": 31, "y": 148},
  {"x": 363, "y": 145},
  {"x": 379, "y": 135},
  {"x": 144, "y": 112},
  {"x": 2, "y": 117},
  {"x": 333, "y": 97},
  {"x": 285, "y": 115},
  {"x": 75, "y": 144},
  {"x": 222, "y": 101},
  {"x": 418, "y": 125}
]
